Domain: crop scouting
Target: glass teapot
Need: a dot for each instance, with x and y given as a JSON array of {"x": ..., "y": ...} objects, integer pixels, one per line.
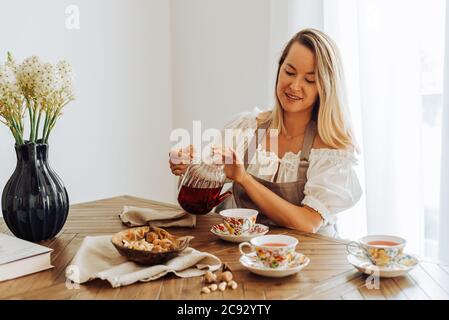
[{"x": 199, "y": 189}]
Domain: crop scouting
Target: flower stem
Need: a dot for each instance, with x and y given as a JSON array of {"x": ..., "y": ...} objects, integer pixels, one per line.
[
  {"x": 36, "y": 135},
  {"x": 50, "y": 127},
  {"x": 32, "y": 115},
  {"x": 17, "y": 133},
  {"x": 35, "y": 118},
  {"x": 44, "y": 132}
]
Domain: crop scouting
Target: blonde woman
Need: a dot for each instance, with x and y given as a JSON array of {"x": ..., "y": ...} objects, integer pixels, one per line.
[{"x": 309, "y": 178}]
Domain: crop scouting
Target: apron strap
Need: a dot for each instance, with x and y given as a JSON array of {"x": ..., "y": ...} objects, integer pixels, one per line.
[
  {"x": 254, "y": 143},
  {"x": 311, "y": 131}
]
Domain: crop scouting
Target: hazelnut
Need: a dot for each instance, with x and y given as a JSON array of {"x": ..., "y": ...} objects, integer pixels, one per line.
[
  {"x": 205, "y": 290},
  {"x": 210, "y": 277},
  {"x": 222, "y": 286},
  {"x": 213, "y": 287},
  {"x": 226, "y": 276},
  {"x": 232, "y": 284}
]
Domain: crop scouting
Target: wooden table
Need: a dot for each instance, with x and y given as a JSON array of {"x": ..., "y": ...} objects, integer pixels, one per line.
[{"x": 328, "y": 276}]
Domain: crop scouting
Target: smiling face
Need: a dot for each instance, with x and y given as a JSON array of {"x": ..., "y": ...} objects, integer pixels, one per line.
[{"x": 296, "y": 88}]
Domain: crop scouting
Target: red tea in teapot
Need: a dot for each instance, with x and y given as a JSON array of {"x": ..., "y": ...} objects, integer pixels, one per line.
[
  {"x": 200, "y": 188},
  {"x": 200, "y": 200}
]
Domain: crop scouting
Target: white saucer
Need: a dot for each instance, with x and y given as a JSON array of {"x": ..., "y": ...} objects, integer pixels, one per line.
[
  {"x": 249, "y": 261},
  {"x": 220, "y": 231},
  {"x": 404, "y": 265}
]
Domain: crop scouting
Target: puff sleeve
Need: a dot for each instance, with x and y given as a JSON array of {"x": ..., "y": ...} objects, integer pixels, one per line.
[{"x": 332, "y": 184}]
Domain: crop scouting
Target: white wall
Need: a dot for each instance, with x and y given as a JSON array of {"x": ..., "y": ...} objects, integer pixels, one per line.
[
  {"x": 112, "y": 139},
  {"x": 220, "y": 58}
]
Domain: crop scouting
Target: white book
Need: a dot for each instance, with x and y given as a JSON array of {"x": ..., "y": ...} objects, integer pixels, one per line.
[{"x": 19, "y": 257}]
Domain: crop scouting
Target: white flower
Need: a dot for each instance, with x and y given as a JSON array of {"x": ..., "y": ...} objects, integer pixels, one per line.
[
  {"x": 35, "y": 78},
  {"x": 36, "y": 86},
  {"x": 63, "y": 88},
  {"x": 9, "y": 91}
]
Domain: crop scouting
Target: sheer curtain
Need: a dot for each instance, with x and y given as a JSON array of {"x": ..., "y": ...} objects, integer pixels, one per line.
[
  {"x": 383, "y": 44},
  {"x": 444, "y": 208}
]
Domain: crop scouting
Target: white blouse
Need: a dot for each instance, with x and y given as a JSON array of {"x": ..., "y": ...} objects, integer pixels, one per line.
[{"x": 332, "y": 185}]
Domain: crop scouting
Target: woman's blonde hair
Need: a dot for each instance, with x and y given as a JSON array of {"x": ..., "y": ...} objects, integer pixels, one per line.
[{"x": 330, "y": 110}]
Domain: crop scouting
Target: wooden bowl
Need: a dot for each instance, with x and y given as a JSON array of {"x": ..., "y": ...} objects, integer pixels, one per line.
[{"x": 145, "y": 257}]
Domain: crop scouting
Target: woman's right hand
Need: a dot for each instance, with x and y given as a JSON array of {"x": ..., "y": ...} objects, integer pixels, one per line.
[{"x": 180, "y": 159}]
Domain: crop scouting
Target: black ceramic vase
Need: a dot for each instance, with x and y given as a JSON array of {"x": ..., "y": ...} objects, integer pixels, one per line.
[{"x": 35, "y": 203}]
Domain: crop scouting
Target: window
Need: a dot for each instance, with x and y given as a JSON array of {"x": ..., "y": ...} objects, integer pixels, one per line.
[{"x": 432, "y": 66}]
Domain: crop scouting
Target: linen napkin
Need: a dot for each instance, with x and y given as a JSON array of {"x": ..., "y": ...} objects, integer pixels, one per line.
[
  {"x": 163, "y": 217},
  {"x": 98, "y": 258}
]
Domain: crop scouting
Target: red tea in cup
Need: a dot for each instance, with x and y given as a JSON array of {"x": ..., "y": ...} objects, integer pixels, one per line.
[
  {"x": 383, "y": 243},
  {"x": 272, "y": 244}
]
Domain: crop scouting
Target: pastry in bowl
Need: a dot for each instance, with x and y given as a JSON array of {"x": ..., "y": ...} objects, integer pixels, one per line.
[{"x": 149, "y": 245}]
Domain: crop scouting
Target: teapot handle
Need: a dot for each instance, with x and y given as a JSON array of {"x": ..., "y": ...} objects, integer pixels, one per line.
[{"x": 223, "y": 196}]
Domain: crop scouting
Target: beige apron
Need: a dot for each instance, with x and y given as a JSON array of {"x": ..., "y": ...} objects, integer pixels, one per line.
[{"x": 293, "y": 192}]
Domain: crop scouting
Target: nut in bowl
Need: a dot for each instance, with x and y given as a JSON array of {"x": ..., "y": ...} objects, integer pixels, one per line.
[{"x": 148, "y": 245}]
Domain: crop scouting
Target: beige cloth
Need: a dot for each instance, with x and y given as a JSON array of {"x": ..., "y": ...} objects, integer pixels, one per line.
[
  {"x": 98, "y": 258},
  {"x": 167, "y": 217}
]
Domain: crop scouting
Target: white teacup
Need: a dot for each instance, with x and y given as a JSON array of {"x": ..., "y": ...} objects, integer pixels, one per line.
[
  {"x": 239, "y": 221},
  {"x": 382, "y": 250},
  {"x": 273, "y": 251}
]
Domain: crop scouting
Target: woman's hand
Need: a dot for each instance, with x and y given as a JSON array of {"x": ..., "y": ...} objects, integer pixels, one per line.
[
  {"x": 233, "y": 165},
  {"x": 180, "y": 159}
]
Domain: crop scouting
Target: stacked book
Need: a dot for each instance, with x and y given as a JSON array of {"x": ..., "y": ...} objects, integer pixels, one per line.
[{"x": 19, "y": 257}]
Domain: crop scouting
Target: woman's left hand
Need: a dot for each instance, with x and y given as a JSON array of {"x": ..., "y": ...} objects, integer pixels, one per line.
[{"x": 233, "y": 165}]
